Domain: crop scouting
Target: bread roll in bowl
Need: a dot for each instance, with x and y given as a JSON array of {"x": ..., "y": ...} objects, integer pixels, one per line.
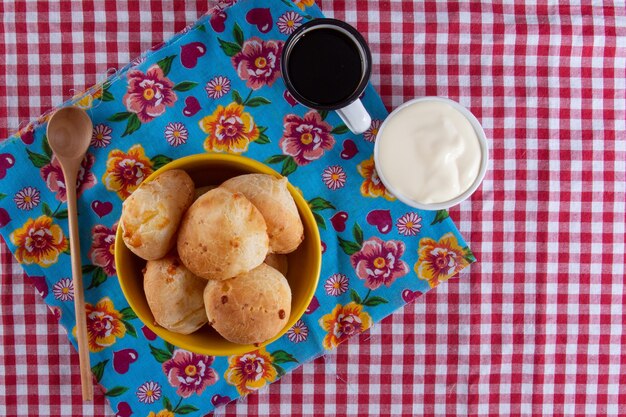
[
  {"x": 222, "y": 235},
  {"x": 152, "y": 213},
  {"x": 249, "y": 308},
  {"x": 271, "y": 196},
  {"x": 174, "y": 295}
]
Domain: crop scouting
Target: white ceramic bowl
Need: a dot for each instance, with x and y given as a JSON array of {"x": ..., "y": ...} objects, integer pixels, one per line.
[{"x": 482, "y": 139}]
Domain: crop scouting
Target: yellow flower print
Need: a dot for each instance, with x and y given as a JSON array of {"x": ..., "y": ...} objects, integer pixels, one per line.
[
  {"x": 344, "y": 322},
  {"x": 104, "y": 325},
  {"x": 126, "y": 171},
  {"x": 229, "y": 129},
  {"x": 303, "y": 4},
  {"x": 251, "y": 371},
  {"x": 39, "y": 242},
  {"x": 438, "y": 261},
  {"x": 372, "y": 186},
  {"x": 162, "y": 413}
]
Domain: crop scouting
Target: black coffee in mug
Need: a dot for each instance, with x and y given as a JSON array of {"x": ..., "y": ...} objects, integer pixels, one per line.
[
  {"x": 326, "y": 65},
  {"x": 332, "y": 74}
]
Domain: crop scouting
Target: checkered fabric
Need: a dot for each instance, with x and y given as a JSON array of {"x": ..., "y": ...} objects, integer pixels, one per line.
[{"x": 537, "y": 327}]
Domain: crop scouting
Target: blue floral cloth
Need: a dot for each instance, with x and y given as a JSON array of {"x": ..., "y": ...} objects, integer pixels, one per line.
[{"x": 216, "y": 87}]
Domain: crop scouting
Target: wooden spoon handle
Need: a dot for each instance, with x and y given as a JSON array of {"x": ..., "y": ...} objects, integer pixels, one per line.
[{"x": 77, "y": 278}]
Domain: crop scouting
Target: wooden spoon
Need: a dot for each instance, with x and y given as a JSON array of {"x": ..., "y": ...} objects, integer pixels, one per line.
[{"x": 69, "y": 134}]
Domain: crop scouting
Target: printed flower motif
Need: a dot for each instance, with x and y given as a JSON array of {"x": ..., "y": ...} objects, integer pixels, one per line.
[
  {"x": 102, "y": 252},
  {"x": 299, "y": 332},
  {"x": 101, "y": 136},
  {"x": 149, "y": 392},
  {"x": 39, "y": 242},
  {"x": 218, "y": 87},
  {"x": 104, "y": 325},
  {"x": 370, "y": 134},
  {"x": 438, "y": 261},
  {"x": 162, "y": 413},
  {"x": 334, "y": 177},
  {"x": 190, "y": 372},
  {"x": 148, "y": 94},
  {"x": 258, "y": 62},
  {"x": 336, "y": 285},
  {"x": 288, "y": 22},
  {"x": 302, "y": 4},
  {"x": 379, "y": 262},
  {"x": 125, "y": 171},
  {"x": 251, "y": 371},
  {"x": 52, "y": 174},
  {"x": 176, "y": 133},
  {"x": 372, "y": 186},
  {"x": 306, "y": 139},
  {"x": 409, "y": 224},
  {"x": 63, "y": 290},
  {"x": 344, "y": 322},
  {"x": 229, "y": 129},
  {"x": 27, "y": 198}
]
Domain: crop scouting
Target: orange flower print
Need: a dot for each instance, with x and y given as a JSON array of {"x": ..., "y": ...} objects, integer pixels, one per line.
[
  {"x": 104, "y": 325},
  {"x": 344, "y": 322},
  {"x": 39, "y": 242},
  {"x": 372, "y": 185},
  {"x": 125, "y": 171},
  {"x": 162, "y": 413},
  {"x": 229, "y": 129},
  {"x": 302, "y": 4},
  {"x": 439, "y": 261},
  {"x": 251, "y": 371}
]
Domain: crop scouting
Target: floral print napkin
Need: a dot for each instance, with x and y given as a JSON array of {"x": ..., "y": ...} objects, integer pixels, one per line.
[{"x": 217, "y": 87}]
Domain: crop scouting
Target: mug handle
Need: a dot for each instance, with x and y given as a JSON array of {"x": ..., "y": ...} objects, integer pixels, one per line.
[{"x": 356, "y": 118}]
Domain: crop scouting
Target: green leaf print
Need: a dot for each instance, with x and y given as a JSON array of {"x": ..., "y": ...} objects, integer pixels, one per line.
[
  {"x": 354, "y": 296},
  {"x": 323, "y": 114},
  {"x": 230, "y": 49},
  {"x": 374, "y": 301},
  {"x": 38, "y": 160},
  {"x": 170, "y": 347},
  {"x": 339, "y": 130},
  {"x": 98, "y": 278},
  {"x": 159, "y": 354},
  {"x": 468, "y": 255},
  {"x": 440, "y": 216},
  {"x": 87, "y": 269},
  {"x": 130, "y": 329},
  {"x": 276, "y": 159},
  {"x": 201, "y": 28},
  {"x": 262, "y": 139},
  {"x": 121, "y": 116},
  {"x": 159, "y": 160},
  {"x": 238, "y": 34},
  {"x": 167, "y": 404},
  {"x": 98, "y": 369},
  {"x": 257, "y": 101},
  {"x": 107, "y": 96},
  {"x": 321, "y": 223},
  {"x": 318, "y": 203},
  {"x": 186, "y": 409},
  {"x": 116, "y": 391},
  {"x": 358, "y": 234},
  {"x": 237, "y": 97},
  {"x": 128, "y": 313},
  {"x": 166, "y": 64},
  {"x": 45, "y": 208},
  {"x": 2, "y": 196},
  {"x": 280, "y": 356},
  {"x": 350, "y": 248},
  {"x": 61, "y": 214},
  {"x": 132, "y": 125},
  {"x": 279, "y": 370},
  {"x": 184, "y": 86},
  {"x": 45, "y": 145},
  {"x": 289, "y": 167}
]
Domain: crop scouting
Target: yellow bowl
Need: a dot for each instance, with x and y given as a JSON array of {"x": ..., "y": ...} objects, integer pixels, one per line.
[{"x": 304, "y": 263}]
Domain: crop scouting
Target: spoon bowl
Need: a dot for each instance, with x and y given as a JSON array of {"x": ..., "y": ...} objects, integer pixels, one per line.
[{"x": 69, "y": 133}]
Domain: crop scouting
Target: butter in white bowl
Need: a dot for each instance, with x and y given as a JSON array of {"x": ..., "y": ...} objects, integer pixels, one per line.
[{"x": 431, "y": 153}]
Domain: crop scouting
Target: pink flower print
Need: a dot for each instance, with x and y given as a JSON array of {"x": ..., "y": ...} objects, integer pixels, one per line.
[
  {"x": 148, "y": 94},
  {"x": 258, "y": 63},
  {"x": 370, "y": 134},
  {"x": 53, "y": 176},
  {"x": 334, "y": 177},
  {"x": 27, "y": 198},
  {"x": 306, "y": 139},
  {"x": 288, "y": 22},
  {"x": 218, "y": 87},
  {"x": 63, "y": 290},
  {"x": 189, "y": 372},
  {"x": 336, "y": 285},
  {"x": 103, "y": 248},
  {"x": 101, "y": 136},
  {"x": 149, "y": 392},
  {"x": 409, "y": 224},
  {"x": 299, "y": 332},
  {"x": 379, "y": 262},
  {"x": 176, "y": 133}
]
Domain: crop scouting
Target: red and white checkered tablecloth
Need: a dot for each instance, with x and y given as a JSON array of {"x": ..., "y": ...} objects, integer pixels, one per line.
[{"x": 536, "y": 327}]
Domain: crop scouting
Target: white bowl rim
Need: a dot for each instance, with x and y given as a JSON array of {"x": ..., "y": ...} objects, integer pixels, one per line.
[{"x": 482, "y": 140}]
